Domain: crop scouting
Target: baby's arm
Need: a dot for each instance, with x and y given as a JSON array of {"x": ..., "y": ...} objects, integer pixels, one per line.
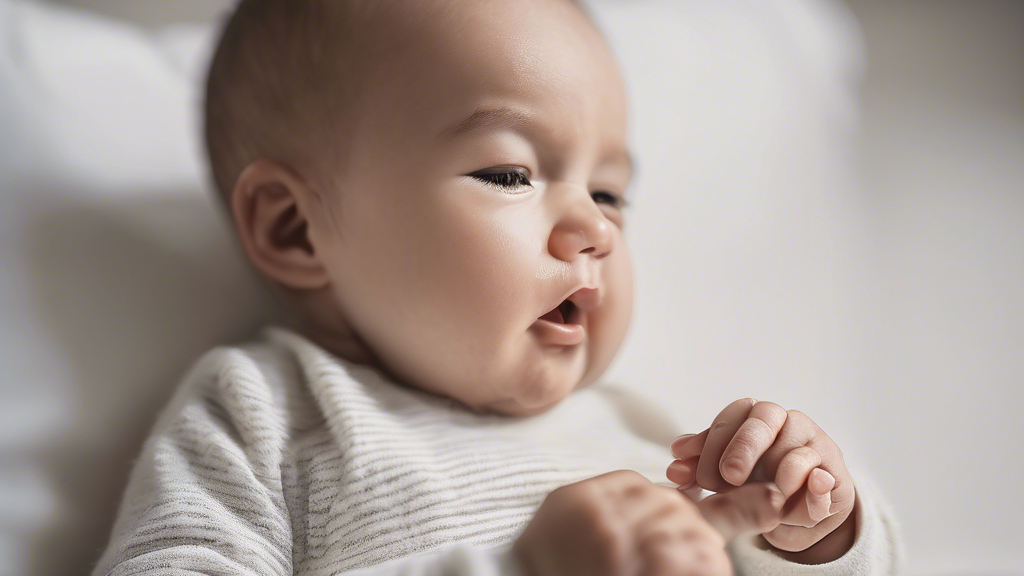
[{"x": 205, "y": 496}]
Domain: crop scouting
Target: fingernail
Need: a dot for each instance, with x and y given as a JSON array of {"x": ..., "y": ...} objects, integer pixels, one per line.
[{"x": 824, "y": 479}]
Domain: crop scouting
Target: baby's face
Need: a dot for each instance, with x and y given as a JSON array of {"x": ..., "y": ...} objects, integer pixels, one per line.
[{"x": 484, "y": 190}]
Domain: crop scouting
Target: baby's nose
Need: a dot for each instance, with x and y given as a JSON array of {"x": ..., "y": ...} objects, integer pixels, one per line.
[{"x": 582, "y": 231}]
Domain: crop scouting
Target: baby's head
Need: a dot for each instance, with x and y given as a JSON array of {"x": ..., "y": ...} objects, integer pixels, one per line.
[{"x": 430, "y": 178}]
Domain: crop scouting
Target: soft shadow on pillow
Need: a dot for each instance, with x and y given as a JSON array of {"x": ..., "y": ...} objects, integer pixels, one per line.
[{"x": 118, "y": 268}]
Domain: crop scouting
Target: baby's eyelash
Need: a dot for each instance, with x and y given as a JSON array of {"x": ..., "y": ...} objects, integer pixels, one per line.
[
  {"x": 613, "y": 200},
  {"x": 513, "y": 179},
  {"x": 508, "y": 180}
]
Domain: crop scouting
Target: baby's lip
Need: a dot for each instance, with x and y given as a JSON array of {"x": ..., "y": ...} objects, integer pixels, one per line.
[
  {"x": 584, "y": 297},
  {"x": 561, "y": 334},
  {"x": 569, "y": 333}
]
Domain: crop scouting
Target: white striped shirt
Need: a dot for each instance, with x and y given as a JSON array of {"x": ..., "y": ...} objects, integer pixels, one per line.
[{"x": 279, "y": 458}]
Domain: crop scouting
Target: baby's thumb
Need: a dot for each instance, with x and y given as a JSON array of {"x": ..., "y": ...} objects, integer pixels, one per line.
[{"x": 753, "y": 508}]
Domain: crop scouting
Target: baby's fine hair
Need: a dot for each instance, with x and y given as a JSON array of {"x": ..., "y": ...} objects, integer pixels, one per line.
[
  {"x": 285, "y": 79},
  {"x": 277, "y": 83}
]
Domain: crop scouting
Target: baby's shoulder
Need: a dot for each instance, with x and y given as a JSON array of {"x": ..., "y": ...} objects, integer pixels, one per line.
[{"x": 258, "y": 385}]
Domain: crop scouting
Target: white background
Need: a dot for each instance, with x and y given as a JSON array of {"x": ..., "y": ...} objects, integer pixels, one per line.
[{"x": 916, "y": 361}]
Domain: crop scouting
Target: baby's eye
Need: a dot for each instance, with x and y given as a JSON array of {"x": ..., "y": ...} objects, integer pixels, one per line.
[
  {"x": 507, "y": 179},
  {"x": 613, "y": 200}
]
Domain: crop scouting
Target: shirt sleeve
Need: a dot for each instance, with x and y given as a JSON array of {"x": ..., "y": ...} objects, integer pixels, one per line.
[
  {"x": 877, "y": 549},
  {"x": 205, "y": 496}
]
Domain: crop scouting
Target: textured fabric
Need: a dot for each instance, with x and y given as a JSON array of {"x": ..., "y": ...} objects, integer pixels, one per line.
[{"x": 280, "y": 458}]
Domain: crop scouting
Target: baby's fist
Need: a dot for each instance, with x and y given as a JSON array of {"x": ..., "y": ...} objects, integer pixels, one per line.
[
  {"x": 763, "y": 442},
  {"x": 620, "y": 524}
]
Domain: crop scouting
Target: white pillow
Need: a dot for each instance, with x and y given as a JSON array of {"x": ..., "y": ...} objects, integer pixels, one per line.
[{"x": 118, "y": 270}]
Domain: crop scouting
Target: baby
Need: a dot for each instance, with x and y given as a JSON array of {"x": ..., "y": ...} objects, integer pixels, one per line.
[{"x": 437, "y": 189}]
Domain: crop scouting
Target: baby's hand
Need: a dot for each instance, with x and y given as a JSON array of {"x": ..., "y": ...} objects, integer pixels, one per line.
[
  {"x": 621, "y": 524},
  {"x": 763, "y": 442}
]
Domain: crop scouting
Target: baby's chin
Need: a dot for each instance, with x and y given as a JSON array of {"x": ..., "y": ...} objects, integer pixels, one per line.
[
  {"x": 520, "y": 410},
  {"x": 522, "y": 395},
  {"x": 533, "y": 404}
]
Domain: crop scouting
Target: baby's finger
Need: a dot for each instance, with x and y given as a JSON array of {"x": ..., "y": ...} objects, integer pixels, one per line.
[
  {"x": 807, "y": 508},
  {"x": 843, "y": 493},
  {"x": 683, "y": 472},
  {"x": 720, "y": 434},
  {"x": 796, "y": 512},
  {"x": 753, "y": 508},
  {"x": 819, "y": 498},
  {"x": 755, "y": 435},
  {"x": 798, "y": 431},
  {"x": 795, "y": 468},
  {"x": 689, "y": 445},
  {"x": 820, "y": 482}
]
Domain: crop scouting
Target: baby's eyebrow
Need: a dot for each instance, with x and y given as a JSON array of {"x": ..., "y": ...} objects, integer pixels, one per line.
[
  {"x": 511, "y": 118},
  {"x": 502, "y": 117}
]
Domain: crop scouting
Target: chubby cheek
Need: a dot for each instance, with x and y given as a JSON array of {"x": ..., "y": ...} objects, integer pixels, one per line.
[
  {"x": 459, "y": 285},
  {"x": 491, "y": 281}
]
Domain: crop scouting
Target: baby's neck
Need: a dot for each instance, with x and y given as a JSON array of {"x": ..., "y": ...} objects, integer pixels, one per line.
[{"x": 346, "y": 345}]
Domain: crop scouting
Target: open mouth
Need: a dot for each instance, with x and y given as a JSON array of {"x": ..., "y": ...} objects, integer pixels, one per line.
[{"x": 566, "y": 313}]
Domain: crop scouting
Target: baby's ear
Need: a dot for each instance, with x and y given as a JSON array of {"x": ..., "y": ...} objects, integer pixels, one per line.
[{"x": 268, "y": 209}]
